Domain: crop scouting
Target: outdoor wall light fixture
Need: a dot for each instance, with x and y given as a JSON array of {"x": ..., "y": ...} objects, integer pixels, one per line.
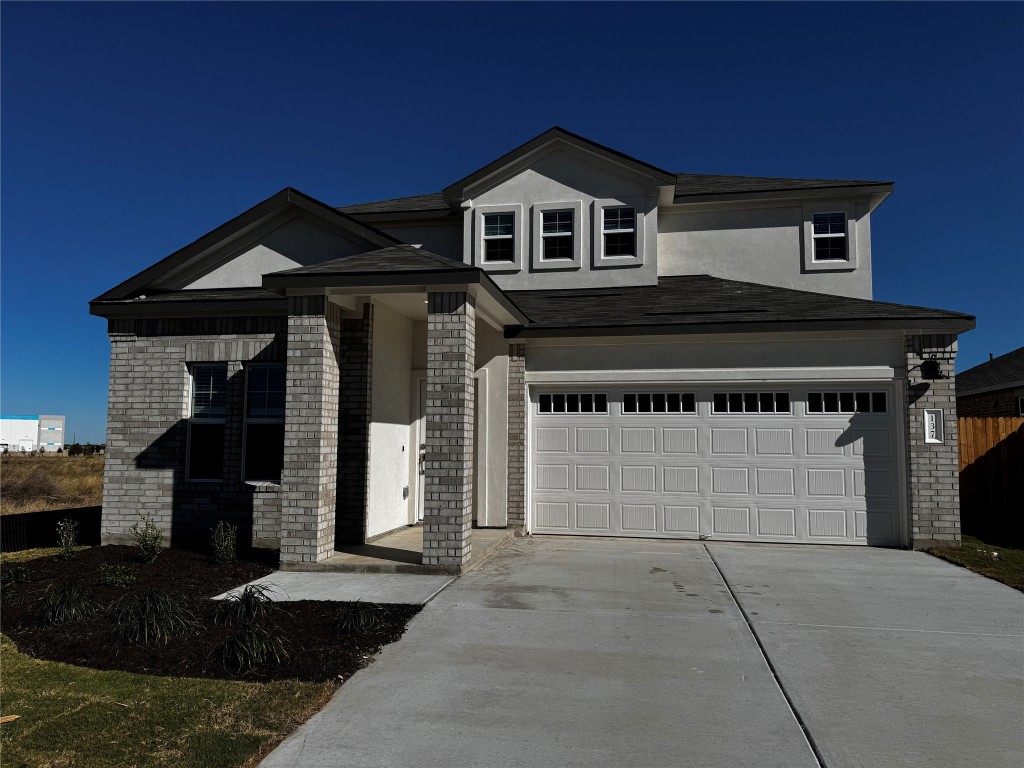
[{"x": 930, "y": 369}]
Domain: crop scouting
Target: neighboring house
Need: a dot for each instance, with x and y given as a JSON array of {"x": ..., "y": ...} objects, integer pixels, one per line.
[
  {"x": 566, "y": 341},
  {"x": 30, "y": 432},
  {"x": 995, "y": 388}
]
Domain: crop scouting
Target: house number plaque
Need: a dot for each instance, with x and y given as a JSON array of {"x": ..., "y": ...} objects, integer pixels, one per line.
[{"x": 933, "y": 425}]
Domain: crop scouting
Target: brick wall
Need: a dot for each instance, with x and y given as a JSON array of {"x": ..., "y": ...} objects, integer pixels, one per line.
[
  {"x": 147, "y": 427},
  {"x": 1002, "y": 403},
  {"x": 517, "y": 437},
  {"x": 356, "y": 361},
  {"x": 448, "y": 498},
  {"x": 310, "y": 472},
  {"x": 932, "y": 473}
]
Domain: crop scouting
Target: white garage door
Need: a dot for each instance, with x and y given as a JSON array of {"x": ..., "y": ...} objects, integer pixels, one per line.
[{"x": 809, "y": 463}]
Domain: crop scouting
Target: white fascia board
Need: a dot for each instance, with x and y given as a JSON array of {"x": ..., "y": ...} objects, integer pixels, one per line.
[{"x": 879, "y": 373}]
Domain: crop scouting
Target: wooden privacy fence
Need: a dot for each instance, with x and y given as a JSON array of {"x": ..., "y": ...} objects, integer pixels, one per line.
[{"x": 992, "y": 478}]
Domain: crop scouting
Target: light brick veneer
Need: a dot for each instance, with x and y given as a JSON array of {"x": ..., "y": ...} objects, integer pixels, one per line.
[
  {"x": 517, "y": 437},
  {"x": 309, "y": 476},
  {"x": 147, "y": 428},
  {"x": 932, "y": 473},
  {"x": 448, "y": 501}
]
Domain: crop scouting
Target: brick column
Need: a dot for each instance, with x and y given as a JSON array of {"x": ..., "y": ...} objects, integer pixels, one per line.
[
  {"x": 448, "y": 501},
  {"x": 517, "y": 437},
  {"x": 355, "y": 358},
  {"x": 933, "y": 476},
  {"x": 309, "y": 476}
]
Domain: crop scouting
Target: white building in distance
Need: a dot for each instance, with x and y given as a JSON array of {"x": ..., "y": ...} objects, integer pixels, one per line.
[{"x": 30, "y": 433}]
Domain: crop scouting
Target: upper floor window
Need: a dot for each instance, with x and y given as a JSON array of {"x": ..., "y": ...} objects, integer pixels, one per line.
[
  {"x": 828, "y": 231},
  {"x": 207, "y": 410},
  {"x": 499, "y": 237},
  {"x": 264, "y": 422},
  {"x": 618, "y": 230},
  {"x": 557, "y": 235}
]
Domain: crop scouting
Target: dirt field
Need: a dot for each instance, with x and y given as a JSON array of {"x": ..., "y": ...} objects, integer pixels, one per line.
[{"x": 35, "y": 483}]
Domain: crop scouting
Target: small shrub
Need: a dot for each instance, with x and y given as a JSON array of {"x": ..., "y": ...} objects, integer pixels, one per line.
[
  {"x": 251, "y": 605},
  {"x": 67, "y": 535},
  {"x": 11, "y": 579},
  {"x": 148, "y": 538},
  {"x": 224, "y": 543},
  {"x": 358, "y": 616},
  {"x": 68, "y": 601},
  {"x": 253, "y": 646},
  {"x": 117, "y": 575},
  {"x": 154, "y": 616}
]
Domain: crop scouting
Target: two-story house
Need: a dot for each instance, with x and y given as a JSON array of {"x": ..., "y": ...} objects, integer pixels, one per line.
[{"x": 566, "y": 341}]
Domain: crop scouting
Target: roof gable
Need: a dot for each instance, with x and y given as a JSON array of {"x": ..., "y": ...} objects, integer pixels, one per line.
[
  {"x": 518, "y": 158},
  {"x": 1002, "y": 372},
  {"x": 288, "y": 204}
]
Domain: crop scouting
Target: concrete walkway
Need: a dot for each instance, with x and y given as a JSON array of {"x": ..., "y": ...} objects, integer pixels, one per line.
[
  {"x": 565, "y": 652},
  {"x": 412, "y": 589},
  {"x": 595, "y": 652},
  {"x": 891, "y": 658}
]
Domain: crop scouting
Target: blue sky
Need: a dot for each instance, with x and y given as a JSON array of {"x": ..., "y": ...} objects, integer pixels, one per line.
[{"x": 128, "y": 130}]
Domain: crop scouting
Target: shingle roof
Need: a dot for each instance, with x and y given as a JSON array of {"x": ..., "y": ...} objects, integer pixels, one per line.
[
  {"x": 1006, "y": 369},
  {"x": 704, "y": 184},
  {"x": 701, "y": 300},
  {"x": 396, "y": 258},
  {"x": 687, "y": 185}
]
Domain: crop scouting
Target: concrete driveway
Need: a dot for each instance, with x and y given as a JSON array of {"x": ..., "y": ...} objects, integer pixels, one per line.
[{"x": 598, "y": 652}]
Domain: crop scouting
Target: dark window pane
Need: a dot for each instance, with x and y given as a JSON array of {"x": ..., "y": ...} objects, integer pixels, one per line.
[
  {"x": 735, "y": 402},
  {"x": 209, "y": 391},
  {"x": 878, "y": 402},
  {"x": 643, "y": 403},
  {"x": 558, "y": 403},
  {"x": 830, "y": 249},
  {"x": 629, "y": 404},
  {"x": 587, "y": 403},
  {"x": 831, "y": 402},
  {"x": 658, "y": 405},
  {"x": 829, "y": 223},
  {"x": 750, "y": 402},
  {"x": 499, "y": 250},
  {"x": 497, "y": 224},
  {"x": 719, "y": 402},
  {"x": 846, "y": 402},
  {"x": 205, "y": 451},
  {"x": 863, "y": 402},
  {"x": 675, "y": 403},
  {"x": 557, "y": 248},
  {"x": 572, "y": 403},
  {"x": 264, "y": 452},
  {"x": 767, "y": 402},
  {"x": 556, "y": 221},
  {"x": 545, "y": 403},
  {"x": 266, "y": 390},
  {"x": 689, "y": 403},
  {"x": 814, "y": 402},
  {"x": 619, "y": 218},
  {"x": 782, "y": 402},
  {"x": 619, "y": 244},
  {"x": 600, "y": 404}
]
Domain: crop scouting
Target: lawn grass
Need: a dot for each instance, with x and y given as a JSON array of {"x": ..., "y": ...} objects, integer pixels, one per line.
[
  {"x": 999, "y": 563},
  {"x": 56, "y": 481},
  {"x": 72, "y": 716}
]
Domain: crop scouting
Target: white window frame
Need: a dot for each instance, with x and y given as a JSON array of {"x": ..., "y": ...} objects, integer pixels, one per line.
[
  {"x": 575, "y": 393},
  {"x": 479, "y": 239},
  {"x": 247, "y": 420},
  {"x": 743, "y": 411},
  {"x": 537, "y": 261},
  {"x": 852, "y": 212},
  {"x": 1020, "y": 405},
  {"x": 816, "y": 237},
  {"x": 205, "y": 420},
  {"x": 600, "y": 260}
]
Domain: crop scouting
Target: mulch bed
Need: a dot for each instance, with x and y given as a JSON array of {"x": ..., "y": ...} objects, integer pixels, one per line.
[{"x": 316, "y": 651}]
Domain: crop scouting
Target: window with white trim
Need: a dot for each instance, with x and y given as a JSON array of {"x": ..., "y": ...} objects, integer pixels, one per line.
[
  {"x": 499, "y": 238},
  {"x": 207, "y": 410},
  {"x": 750, "y": 402},
  {"x": 557, "y": 235},
  {"x": 659, "y": 402},
  {"x": 1020, "y": 406},
  {"x": 846, "y": 402},
  {"x": 828, "y": 231},
  {"x": 264, "y": 422},
  {"x": 573, "y": 403},
  {"x": 618, "y": 230}
]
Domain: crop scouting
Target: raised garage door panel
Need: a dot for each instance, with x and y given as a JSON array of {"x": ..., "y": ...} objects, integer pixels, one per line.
[{"x": 788, "y": 476}]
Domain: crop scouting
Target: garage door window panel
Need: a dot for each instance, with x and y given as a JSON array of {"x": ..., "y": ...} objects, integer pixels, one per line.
[
  {"x": 750, "y": 402},
  {"x": 847, "y": 402},
  {"x": 659, "y": 402},
  {"x": 582, "y": 403}
]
